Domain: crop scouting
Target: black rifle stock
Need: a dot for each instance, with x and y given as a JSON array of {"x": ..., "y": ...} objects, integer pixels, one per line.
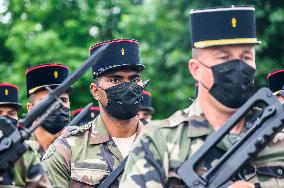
[
  {"x": 12, "y": 147},
  {"x": 270, "y": 122}
]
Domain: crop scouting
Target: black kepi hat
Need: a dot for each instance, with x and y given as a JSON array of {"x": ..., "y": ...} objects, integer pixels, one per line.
[
  {"x": 147, "y": 102},
  {"x": 9, "y": 95},
  {"x": 223, "y": 26},
  {"x": 41, "y": 76},
  {"x": 275, "y": 81},
  {"x": 120, "y": 54}
]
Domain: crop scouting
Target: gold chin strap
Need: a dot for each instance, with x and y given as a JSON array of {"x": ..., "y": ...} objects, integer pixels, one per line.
[
  {"x": 36, "y": 88},
  {"x": 207, "y": 43},
  {"x": 277, "y": 92}
]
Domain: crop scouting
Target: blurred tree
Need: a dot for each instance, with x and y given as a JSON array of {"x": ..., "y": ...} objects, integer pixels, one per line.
[{"x": 44, "y": 31}]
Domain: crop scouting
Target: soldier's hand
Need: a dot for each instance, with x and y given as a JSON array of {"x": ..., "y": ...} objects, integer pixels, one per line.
[{"x": 241, "y": 184}]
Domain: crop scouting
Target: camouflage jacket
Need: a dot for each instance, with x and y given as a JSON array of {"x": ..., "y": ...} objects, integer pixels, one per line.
[
  {"x": 165, "y": 145},
  {"x": 35, "y": 144},
  {"x": 82, "y": 158},
  {"x": 27, "y": 172}
]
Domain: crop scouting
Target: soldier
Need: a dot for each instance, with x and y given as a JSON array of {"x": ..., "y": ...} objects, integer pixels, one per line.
[
  {"x": 38, "y": 79},
  {"x": 146, "y": 110},
  {"x": 275, "y": 81},
  {"x": 84, "y": 158},
  {"x": 93, "y": 112},
  {"x": 223, "y": 64},
  {"x": 27, "y": 171}
]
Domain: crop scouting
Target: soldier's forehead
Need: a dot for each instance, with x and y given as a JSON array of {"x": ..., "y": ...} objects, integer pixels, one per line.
[
  {"x": 44, "y": 93},
  {"x": 121, "y": 72},
  {"x": 7, "y": 107},
  {"x": 244, "y": 47}
]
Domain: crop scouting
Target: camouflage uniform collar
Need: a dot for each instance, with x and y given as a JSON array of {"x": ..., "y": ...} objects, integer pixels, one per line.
[
  {"x": 36, "y": 145},
  {"x": 32, "y": 137},
  {"x": 139, "y": 128},
  {"x": 99, "y": 133},
  {"x": 199, "y": 126}
]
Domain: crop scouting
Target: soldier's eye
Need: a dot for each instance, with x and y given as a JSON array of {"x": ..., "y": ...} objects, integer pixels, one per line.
[
  {"x": 247, "y": 58},
  {"x": 12, "y": 114},
  {"x": 115, "y": 80},
  {"x": 224, "y": 58},
  {"x": 138, "y": 79}
]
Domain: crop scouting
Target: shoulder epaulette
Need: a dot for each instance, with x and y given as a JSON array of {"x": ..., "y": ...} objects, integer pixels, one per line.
[
  {"x": 172, "y": 121},
  {"x": 79, "y": 130}
]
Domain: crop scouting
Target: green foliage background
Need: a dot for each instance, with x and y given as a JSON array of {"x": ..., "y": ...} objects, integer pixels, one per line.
[{"x": 42, "y": 31}]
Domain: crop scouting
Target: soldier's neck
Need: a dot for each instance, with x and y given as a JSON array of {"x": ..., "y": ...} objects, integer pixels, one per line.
[
  {"x": 218, "y": 115},
  {"x": 119, "y": 128},
  {"x": 44, "y": 138}
]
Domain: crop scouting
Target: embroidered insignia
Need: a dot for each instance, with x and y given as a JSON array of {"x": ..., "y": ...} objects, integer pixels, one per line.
[
  {"x": 55, "y": 74},
  {"x": 234, "y": 22}
]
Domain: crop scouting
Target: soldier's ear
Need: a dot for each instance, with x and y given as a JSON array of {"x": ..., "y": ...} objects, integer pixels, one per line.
[
  {"x": 94, "y": 91},
  {"x": 29, "y": 106},
  {"x": 194, "y": 69}
]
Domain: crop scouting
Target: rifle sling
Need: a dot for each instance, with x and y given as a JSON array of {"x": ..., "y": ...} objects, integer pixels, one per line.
[{"x": 114, "y": 174}]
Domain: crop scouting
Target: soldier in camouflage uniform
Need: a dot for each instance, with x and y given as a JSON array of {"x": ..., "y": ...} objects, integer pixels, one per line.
[
  {"x": 92, "y": 113},
  {"x": 27, "y": 171},
  {"x": 275, "y": 82},
  {"x": 86, "y": 156},
  {"x": 146, "y": 110},
  {"x": 54, "y": 74},
  {"x": 223, "y": 64}
]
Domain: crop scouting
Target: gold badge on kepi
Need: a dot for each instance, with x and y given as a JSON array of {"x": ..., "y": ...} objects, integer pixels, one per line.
[
  {"x": 55, "y": 74},
  {"x": 6, "y": 92},
  {"x": 234, "y": 22},
  {"x": 122, "y": 51}
]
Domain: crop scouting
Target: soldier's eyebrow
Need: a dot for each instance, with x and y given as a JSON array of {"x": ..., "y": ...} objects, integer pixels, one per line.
[
  {"x": 64, "y": 99},
  {"x": 248, "y": 51},
  {"x": 123, "y": 75},
  {"x": 222, "y": 51},
  {"x": 12, "y": 111},
  {"x": 136, "y": 75},
  {"x": 114, "y": 75}
]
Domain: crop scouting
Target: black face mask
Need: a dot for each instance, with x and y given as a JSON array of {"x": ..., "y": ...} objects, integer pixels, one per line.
[
  {"x": 55, "y": 122},
  {"x": 233, "y": 82},
  {"x": 124, "y": 100},
  {"x": 7, "y": 125},
  {"x": 144, "y": 121}
]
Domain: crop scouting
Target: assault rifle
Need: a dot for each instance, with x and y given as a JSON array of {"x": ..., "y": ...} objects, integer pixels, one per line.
[
  {"x": 12, "y": 145},
  {"x": 246, "y": 148}
]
